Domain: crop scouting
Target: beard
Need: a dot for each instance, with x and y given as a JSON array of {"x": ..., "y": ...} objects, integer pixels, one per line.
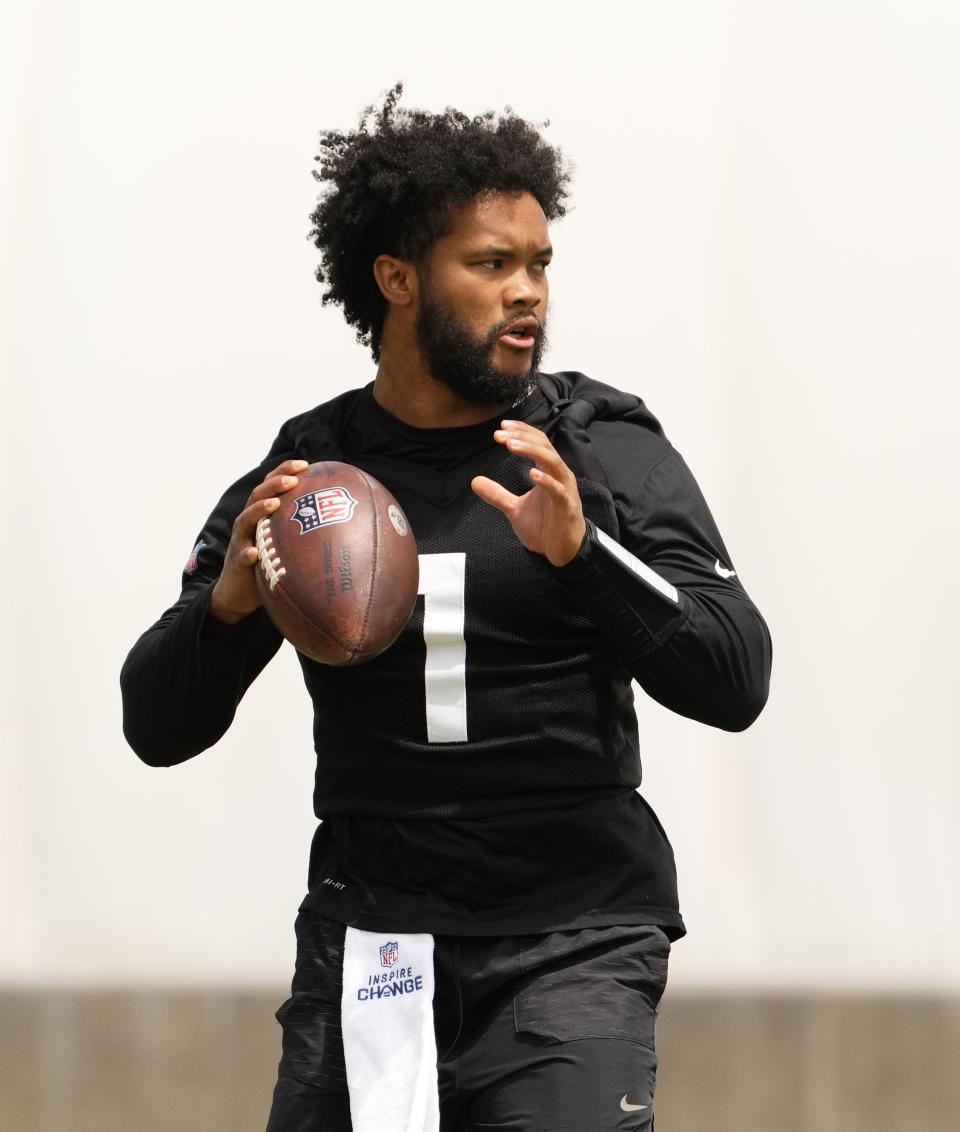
[{"x": 458, "y": 359}]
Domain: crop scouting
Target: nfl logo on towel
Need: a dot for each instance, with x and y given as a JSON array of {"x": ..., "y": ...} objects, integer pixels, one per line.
[{"x": 389, "y": 953}]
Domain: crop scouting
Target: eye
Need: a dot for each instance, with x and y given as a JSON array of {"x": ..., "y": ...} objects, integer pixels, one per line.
[
  {"x": 496, "y": 264},
  {"x": 541, "y": 265}
]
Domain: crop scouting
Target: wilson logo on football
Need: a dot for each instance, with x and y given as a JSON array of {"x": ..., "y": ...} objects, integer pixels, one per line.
[{"x": 323, "y": 508}]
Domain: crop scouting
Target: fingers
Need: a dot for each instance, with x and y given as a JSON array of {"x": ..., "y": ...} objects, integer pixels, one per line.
[
  {"x": 549, "y": 470},
  {"x": 505, "y": 501},
  {"x": 551, "y": 485},
  {"x": 289, "y": 468},
  {"x": 495, "y": 494},
  {"x": 263, "y": 500},
  {"x": 246, "y": 522},
  {"x": 525, "y": 440},
  {"x": 235, "y": 593},
  {"x": 281, "y": 479}
]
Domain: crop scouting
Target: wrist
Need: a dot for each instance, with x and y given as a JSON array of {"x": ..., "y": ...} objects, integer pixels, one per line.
[
  {"x": 570, "y": 551},
  {"x": 577, "y": 567},
  {"x": 221, "y": 614}
]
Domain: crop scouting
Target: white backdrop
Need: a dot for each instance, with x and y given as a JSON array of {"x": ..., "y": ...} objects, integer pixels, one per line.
[{"x": 765, "y": 246}]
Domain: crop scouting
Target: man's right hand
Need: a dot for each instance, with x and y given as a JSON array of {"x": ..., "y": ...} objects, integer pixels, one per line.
[{"x": 235, "y": 594}]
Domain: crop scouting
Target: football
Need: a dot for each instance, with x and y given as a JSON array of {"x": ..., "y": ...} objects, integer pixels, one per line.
[{"x": 337, "y": 565}]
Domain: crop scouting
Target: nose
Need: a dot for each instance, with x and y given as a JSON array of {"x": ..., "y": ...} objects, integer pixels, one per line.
[{"x": 522, "y": 291}]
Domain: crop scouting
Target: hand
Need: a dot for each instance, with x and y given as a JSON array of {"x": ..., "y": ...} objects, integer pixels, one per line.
[
  {"x": 235, "y": 594},
  {"x": 548, "y": 519}
]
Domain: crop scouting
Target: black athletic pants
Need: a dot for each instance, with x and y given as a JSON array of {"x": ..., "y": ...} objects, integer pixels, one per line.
[{"x": 537, "y": 1033}]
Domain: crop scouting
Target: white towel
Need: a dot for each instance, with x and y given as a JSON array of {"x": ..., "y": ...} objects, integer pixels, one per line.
[{"x": 388, "y": 1038}]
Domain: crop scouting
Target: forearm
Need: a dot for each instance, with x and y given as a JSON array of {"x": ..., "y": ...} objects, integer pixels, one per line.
[
  {"x": 181, "y": 685},
  {"x": 716, "y": 667},
  {"x": 702, "y": 651},
  {"x": 183, "y": 680}
]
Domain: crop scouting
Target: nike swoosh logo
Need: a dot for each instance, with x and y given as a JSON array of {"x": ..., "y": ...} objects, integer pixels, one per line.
[
  {"x": 724, "y": 573},
  {"x": 626, "y": 1106}
]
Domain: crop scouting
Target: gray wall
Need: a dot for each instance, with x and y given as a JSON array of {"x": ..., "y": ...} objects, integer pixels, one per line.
[{"x": 182, "y": 1062}]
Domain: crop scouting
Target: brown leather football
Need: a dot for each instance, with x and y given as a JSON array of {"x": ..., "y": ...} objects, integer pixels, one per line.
[{"x": 337, "y": 565}]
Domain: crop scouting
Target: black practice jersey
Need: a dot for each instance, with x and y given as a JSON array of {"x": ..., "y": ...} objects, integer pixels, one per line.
[{"x": 479, "y": 777}]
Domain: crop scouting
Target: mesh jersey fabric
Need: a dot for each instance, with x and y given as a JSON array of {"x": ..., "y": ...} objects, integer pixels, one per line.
[{"x": 482, "y": 836}]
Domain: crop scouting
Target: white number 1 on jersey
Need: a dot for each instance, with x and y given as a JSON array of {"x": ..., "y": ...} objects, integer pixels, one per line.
[{"x": 442, "y": 583}]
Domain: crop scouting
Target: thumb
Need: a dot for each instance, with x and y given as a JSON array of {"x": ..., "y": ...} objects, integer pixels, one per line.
[{"x": 495, "y": 494}]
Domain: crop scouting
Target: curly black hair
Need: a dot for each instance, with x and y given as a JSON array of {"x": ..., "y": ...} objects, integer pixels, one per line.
[{"x": 391, "y": 185}]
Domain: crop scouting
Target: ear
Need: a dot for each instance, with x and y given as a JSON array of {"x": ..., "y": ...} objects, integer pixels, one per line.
[{"x": 397, "y": 280}]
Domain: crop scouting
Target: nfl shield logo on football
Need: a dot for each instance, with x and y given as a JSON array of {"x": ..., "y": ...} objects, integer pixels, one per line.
[
  {"x": 389, "y": 953},
  {"x": 323, "y": 508}
]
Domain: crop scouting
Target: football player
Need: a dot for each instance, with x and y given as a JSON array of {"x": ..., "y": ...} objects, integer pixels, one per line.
[{"x": 491, "y": 901}]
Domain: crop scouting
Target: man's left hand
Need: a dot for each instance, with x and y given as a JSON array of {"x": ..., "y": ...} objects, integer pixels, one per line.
[{"x": 548, "y": 519}]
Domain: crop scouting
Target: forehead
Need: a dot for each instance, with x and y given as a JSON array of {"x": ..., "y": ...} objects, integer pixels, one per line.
[{"x": 499, "y": 219}]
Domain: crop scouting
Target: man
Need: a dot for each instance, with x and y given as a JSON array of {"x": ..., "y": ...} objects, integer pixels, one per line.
[{"x": 491, "y": 902}]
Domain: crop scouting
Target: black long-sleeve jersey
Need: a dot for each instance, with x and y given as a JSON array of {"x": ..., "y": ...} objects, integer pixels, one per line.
[{"x": 479, "y": 777}]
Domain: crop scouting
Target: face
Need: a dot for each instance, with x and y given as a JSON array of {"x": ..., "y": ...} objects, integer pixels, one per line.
[{"x": 482, "y": 301}]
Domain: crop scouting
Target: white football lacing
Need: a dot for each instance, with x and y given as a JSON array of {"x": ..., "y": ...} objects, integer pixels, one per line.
[{"x": 270, "y": 563}]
